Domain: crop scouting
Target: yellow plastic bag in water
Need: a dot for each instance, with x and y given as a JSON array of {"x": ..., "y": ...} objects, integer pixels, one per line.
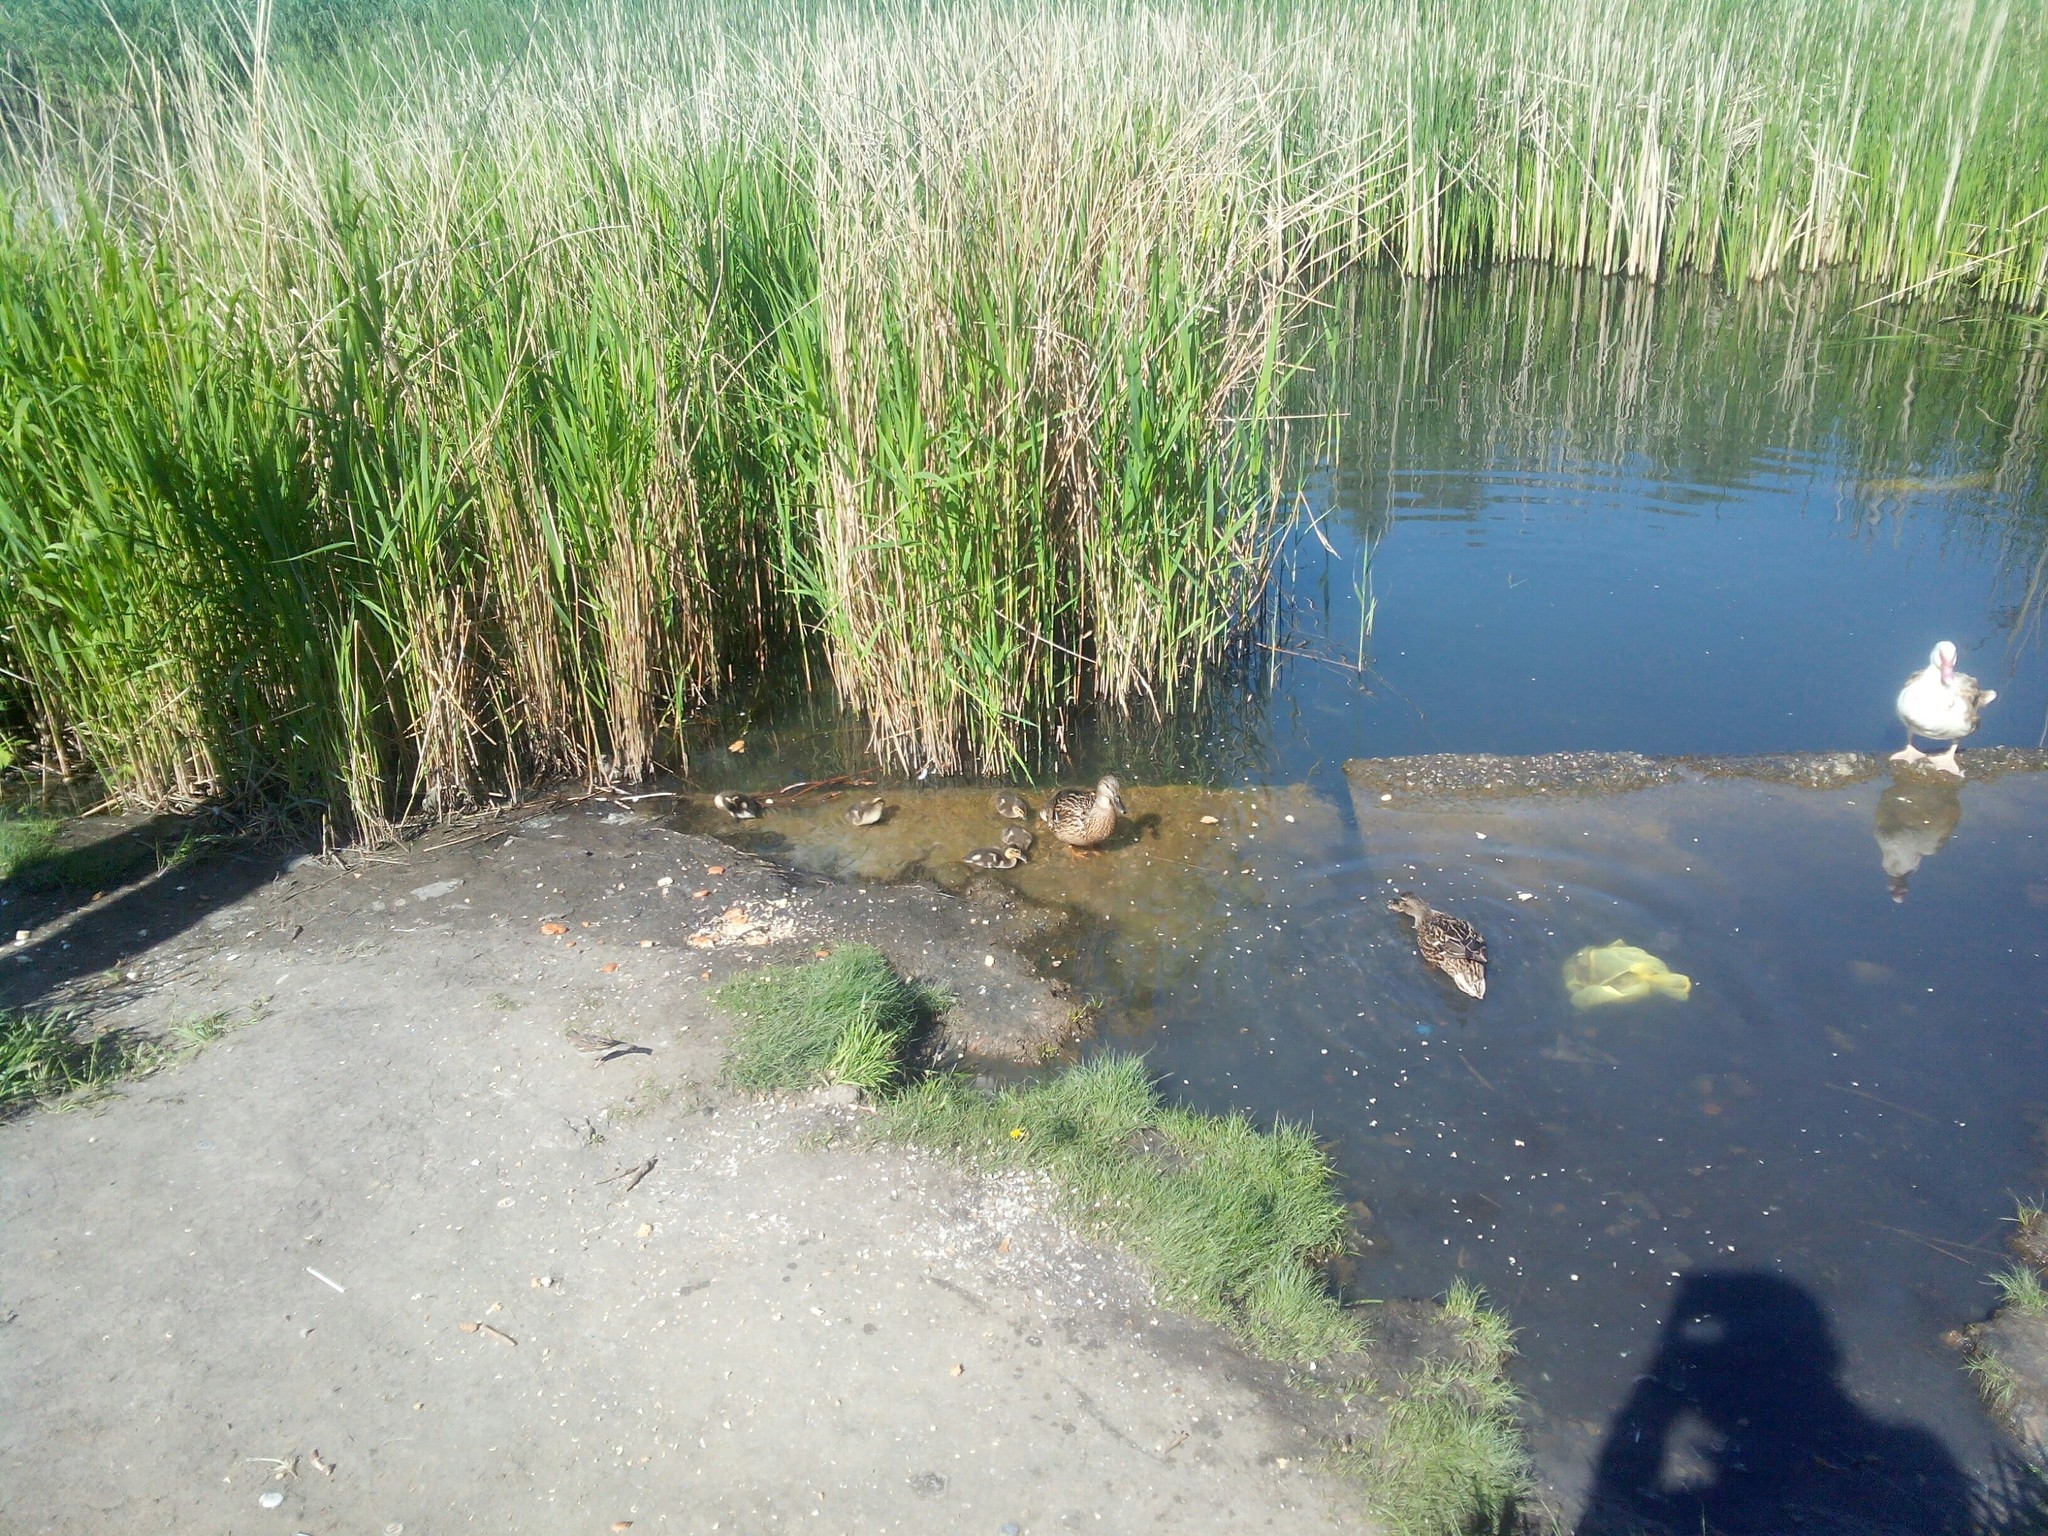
[{"x": 1620, "y": 973}]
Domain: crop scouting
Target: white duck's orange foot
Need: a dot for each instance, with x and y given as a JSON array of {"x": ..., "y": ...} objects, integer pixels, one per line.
[
  {"x": 1946, "y": 762},
  {"x": 1910, "y": 754}
]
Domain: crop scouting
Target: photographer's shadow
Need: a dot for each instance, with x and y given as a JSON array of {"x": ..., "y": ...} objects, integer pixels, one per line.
[{"x": 1741, "y": 1425}]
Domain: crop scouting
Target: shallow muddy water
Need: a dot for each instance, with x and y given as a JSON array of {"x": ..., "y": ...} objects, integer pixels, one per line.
[{"x": 1587, "y": 516}]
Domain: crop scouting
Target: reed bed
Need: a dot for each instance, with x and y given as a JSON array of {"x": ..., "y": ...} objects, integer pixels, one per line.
[{"x": 408, "y": 406}]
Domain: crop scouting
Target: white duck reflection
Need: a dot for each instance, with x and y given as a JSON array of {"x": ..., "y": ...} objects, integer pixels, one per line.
[{"x": 1916, "y": 815}]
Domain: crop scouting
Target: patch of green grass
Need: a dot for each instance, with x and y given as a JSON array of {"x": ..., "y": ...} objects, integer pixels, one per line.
[
  {"x": 26, "y": 842},
  {"x": 31, "y": 855},
  {"x": 1995, "y": 1381},
  {"x": 1232, "y": 1220},
  {"x": 1452, "y": 1459},
  {"x": 2020, "y": 1290},
  {"x": 41, "y": 1057},
  {"x": 190, "y": 1035},
  {"x": 845, "y": 1019}
]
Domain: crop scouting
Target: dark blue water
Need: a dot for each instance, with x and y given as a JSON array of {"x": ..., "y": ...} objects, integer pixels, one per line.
[{"x": 1600, "y": 607}]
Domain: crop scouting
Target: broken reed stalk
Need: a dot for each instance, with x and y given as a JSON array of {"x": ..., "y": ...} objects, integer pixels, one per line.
[{"x": 411, "y": 410}]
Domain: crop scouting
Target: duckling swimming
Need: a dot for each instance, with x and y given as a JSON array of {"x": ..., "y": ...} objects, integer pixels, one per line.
[
  {"x": 1082, "y": 818},
  {"x": 738, "y": 807},
  {"x": 1019, "y": 838},
  {"x": 1010, "y": 805},
  {"x": 1449, "y": 943},
  {"x": 995, "y": 858},
  {"x": 865, "y": 813}
]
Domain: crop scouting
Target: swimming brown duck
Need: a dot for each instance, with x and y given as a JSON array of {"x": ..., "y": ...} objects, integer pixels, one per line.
[
  {"x": 1449, "y": 943},
  {"x": 1083, "y": 818}
]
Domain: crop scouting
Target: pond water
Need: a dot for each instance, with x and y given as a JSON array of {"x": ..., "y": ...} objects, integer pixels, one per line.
[{"x": 1587, "y": 515}]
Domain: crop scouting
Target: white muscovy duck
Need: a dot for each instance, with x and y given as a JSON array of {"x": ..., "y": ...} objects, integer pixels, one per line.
[{"x": 1942, "y": 704}]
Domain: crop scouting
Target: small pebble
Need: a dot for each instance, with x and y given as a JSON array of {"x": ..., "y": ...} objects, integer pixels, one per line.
[{"x": 271, "y": 1499}]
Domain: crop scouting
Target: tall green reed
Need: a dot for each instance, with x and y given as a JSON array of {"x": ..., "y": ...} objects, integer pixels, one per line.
[{"x": 400, "y": 414}]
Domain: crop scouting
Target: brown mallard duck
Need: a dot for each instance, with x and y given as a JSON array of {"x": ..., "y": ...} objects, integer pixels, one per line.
[
  {"x": 1449, "y": 943},
  {"x": 865, "y": 813},
  {"x": 1010, "y": 806},
  {"x": 738, "y": 807},
  {"x": 1082, "y": 818},
  {"x": 994, "y": 858},
  {"x": 1019, "y": 838}
]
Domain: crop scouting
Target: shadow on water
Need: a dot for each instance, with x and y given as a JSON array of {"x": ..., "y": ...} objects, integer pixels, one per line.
[{"x": 1741, "y": 1424}]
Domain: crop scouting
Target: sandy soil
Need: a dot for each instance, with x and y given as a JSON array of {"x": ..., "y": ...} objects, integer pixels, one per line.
[{"x": 282, "y": 1246}]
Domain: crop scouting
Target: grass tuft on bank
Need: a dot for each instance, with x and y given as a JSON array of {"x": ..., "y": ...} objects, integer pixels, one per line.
[
  {"x": 848, "y": 1018},
  {"x": 45, "y": 1058},
  {"x": 41, "y": 1057},
  {"x": 1452, "y": 1459},
  {"x": 26, "y": 844},
  {"x": 1232, "y": 1220}
]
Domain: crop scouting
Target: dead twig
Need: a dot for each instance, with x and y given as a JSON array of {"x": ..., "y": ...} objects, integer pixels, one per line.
[
  {"x": 499, "y": 1335},
  {"x": 1904, "y": 1109},
  {"x": 803, "y": 787}
]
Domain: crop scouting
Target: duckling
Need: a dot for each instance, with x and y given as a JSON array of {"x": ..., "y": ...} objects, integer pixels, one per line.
[
  {"x": 865, "y": 813},
  {"x": 1010, "y": 805},
  {"x": 1008, "y": 857},
  {"x": 1019, "y": 838},
  {"x": 1940, "y": 702},
  {"x": 738, "y": 807},
  {"x": 1449, "y": 943},
  {"x": 1082, "y": 818}
]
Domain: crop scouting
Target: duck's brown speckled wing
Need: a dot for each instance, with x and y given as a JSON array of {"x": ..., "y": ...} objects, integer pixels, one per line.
[
  {"x": 1454, "y": 947},
  {"x": 1077, "y": 818}
]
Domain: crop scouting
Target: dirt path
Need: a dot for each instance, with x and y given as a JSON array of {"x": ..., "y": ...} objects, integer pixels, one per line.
[{"x": 275, "y": 1248}]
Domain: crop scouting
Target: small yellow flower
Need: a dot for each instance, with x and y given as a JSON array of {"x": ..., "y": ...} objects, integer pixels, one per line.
[{"x": 1017, "y": 1133}]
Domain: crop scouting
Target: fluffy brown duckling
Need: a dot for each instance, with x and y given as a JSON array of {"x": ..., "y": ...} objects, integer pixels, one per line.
[
  {"x": 738, "y": 807},
  {"x": 994, "y": 858},
  {"x": 865, "y": 813}
]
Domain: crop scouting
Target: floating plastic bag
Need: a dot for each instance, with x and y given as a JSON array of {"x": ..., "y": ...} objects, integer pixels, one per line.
[{"x": 1620, "y": 973}]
